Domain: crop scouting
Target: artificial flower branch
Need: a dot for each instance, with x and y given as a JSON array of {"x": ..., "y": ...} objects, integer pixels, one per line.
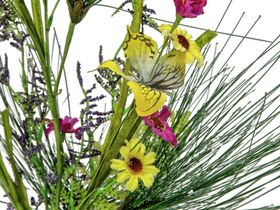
[
  {"x": 111, "y": 138},
  {"x": 42, "y": 51}
]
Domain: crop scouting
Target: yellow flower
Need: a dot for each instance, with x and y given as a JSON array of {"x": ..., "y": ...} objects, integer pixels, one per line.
[
  {"x": 182, "y": 42},
  {"x": 152, "y": 78},
  {"x": 136, "y": 165}
]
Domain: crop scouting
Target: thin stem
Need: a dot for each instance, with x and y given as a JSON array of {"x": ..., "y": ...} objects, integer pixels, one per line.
[
  {"x": 53, "y": 108},
  {"x": 69, "y": 37}
]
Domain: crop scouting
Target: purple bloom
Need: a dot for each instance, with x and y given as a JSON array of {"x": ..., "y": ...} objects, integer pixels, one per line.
[
  {"x": 50, "y": 127},
  {"x": 189, "y": 8},
  {"x": 158, "y": 123},
  {"x": 66, "y": 125}
]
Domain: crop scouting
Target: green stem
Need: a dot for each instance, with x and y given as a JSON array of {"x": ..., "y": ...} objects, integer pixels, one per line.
[
  {"x": 37, "y": 17},
  {"x": 128, "y": 128},
  {"x": 8, "y": 185},
  {"x": 117, "y": 132},
  {"x": 174, "y": 26},
  {"x": 69, "y": 37},
  {"x": 53, "y": 108},
  {"x": 20, "y": 189},
  {"x": 23, "y": 13}
]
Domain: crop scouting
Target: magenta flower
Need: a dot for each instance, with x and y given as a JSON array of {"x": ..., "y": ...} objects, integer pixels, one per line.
[
  {"x": 158, "y": 123},
  {"x": 66, "y": 125},
  {"x": 189, "y": 8},
  {"x": 50, "y": 127}
]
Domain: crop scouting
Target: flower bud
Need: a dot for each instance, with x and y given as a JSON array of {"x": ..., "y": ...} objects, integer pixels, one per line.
[
  {"x": 189, "y": 8},
  {"x": 79, "y": 8}
]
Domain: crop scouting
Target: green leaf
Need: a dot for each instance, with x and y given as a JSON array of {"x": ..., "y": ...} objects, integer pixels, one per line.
[{"x": 205, "y": 38}]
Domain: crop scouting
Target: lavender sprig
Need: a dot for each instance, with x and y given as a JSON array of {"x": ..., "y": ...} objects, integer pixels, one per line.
[{"x": 4, "y": 71}]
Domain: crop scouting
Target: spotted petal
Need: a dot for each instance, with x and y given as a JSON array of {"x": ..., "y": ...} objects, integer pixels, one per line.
[
  {"x": 141, "y": 51},
  {"x": 148, "y": 100}
]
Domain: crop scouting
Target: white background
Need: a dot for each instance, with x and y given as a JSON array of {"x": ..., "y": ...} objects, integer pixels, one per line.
[{"x": 99, "y": 28}]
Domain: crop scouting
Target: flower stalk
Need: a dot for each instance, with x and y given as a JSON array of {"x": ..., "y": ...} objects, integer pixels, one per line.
[
  {"x": 70, "y": 33},
  {"x": 114, "y": 138},
  {"x": 19, "y": 193},
  {"x": 165, "y": 42}
]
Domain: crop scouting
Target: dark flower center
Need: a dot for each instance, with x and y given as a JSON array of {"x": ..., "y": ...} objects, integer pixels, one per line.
[
  {"x": 157, "y": 123},
  {"x": 135, "y": 164},
  {"x": 183, "y": 41}
]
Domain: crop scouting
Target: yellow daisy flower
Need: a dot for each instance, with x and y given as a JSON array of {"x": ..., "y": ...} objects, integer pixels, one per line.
[
  {"x": 182, "y": 42},
  {"x": 136, "y": 165}
]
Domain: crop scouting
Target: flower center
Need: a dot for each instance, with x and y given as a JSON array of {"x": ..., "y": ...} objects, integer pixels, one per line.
[
  {"x": 183, "y": 41},
  {"x": 135, "y": 164},
  {"x": 184, "y": 2},
  {"x": 157, "y": 123}
]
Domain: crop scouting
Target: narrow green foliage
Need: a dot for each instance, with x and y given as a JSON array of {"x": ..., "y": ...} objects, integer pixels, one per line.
[
  {"x": 20, "y": 190},
  {"x": 37, "y": 17}
]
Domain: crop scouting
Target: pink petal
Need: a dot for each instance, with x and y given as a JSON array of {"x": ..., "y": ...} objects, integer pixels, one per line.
[
  {"x": 49, "y": 129},
  {"x": 190, "y": 8},
  {"x": 74, "y": 121},
  {"x": 165, "y": 113},
  {"x": 169, "y": 136},
  {"x": 147, "y": 121}
]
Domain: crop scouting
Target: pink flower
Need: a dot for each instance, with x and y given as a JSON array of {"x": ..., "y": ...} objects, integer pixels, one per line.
[
  {"x": 189, "y": 8},
  {"x": 66, "y": 125},
  {"x": 50, "y": 127},
  {"x": 158, "y": 123}
]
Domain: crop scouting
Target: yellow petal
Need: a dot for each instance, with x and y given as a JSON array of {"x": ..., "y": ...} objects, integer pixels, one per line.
[
  {"x": 141, "y": 51},
  {"x": 118, "y": 164},
  {"x": 152, "y": 170},
  {"x": 138, "y": 151},
  {"x": 122, "y": 176},
  {"x": 132, "y": 184},
  {"x": 195, "y": 52},
  {"x": 165, "y": 29},
  {"x": 147, "y": 180},
  {"x": 124, "y": 152},
  {"x": 147, "y": 100},
  {"x": 149, "y": 158},
  {"x": 113, "y": 66},
  {"x": 189, "y": 58},
  {"x": 132, "y": 143}
]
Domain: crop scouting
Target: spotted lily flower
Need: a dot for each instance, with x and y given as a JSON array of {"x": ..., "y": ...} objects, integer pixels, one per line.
[
  {"x": 158, "y": 123},
  {"x": 136, "y": 165},
  {"x": 151, "y": 78},
  {"x": 182, "y": 42},
  {"x": 189, "y": 8}
]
